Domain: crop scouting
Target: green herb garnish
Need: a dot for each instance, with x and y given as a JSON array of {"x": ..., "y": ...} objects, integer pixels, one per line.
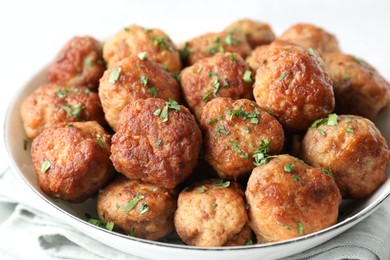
[
  {"x": 144, "y": 80},
  {"x": 131, "y": 204},
  {"x": 300, "y": 228},
  {"x": 114, "y": 76},
  {"x": 171, "y": 104},
  {"x": 144, "y": 208},
  {"x": 212, "y": 121},
  {"x": 221, "y": 183},
  {"x": 282, "y": 76},
  {"x": 350, "y": 130},
  {"x": 153, "y": 91},
  {"x": 142, "y": 55},
  {"x": 331, "y": 120},
  {"x": 311, "y": 52},
  {"x": 260, "y": 155},
  {"x": 45, "y": 166},
  {"x": 99, "y": 140},
  {"x": 158, "y": 142},
  {"x": 249, "y": 243},
  {"x": 247, "y": 76},
  {"x": 296, "y": 178},
  {"x": 221, "y": 129},
  {"x": 289, "y": 167}
]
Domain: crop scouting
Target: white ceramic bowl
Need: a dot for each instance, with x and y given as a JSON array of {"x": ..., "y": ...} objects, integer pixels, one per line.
[{"x": 351, "y": 212}]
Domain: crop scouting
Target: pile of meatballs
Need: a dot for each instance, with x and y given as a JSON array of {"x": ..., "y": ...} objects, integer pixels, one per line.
[{"x": 231, "y": 138}]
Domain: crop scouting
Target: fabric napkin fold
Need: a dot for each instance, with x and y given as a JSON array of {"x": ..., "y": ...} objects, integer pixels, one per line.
[{"x": 23, "y": 222}]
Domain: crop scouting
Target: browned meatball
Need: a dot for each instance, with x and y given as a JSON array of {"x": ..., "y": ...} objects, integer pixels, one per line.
[
  {"x": 234, "y": 131},
  {"x": 79, "y": 63},
  {"x": 133, "y": 78},
  {"x": 71, "y": 160},
  {"x": 350, "y": 147},
  {"x": 135, "y": 40},
  {"x": 223, "y": 75},
  {"x": 157, "y": 141},
  {"x": 137, "y": 209},
  {"x": 294, "y": 85},
  {"x": 244, "y": 237},
  {"x": 257, "y": 33},
  {"x": 54, "y": 103},
  {"x": 288, "y": 199},
  {"x": 358, "y": 88},
  {"x": 311, "y": 36},
  {"x": 211, "y": 213},
  {"x": 209, "y": 44}
]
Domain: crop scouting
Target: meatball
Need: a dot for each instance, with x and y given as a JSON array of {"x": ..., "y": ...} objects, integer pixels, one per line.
[
  {"x": 358, "y": 88},
  {"x": 351, "y": 148},
  {"x": 71, "y": 160},
  {"x": 136, "y": 40},
  {"x": 288, "y": 199},
  {"x": 137, "y": 209},
  {"x": 133, "y": 78},
  {"x": 157, "y": 141},
  {"x": 244, "y": 237},
  {"x": 79, "y": 63},
  {"x": 311, "y": 36},
  {"x": 223, "y": 75},
  {"x": 211, "y": 213},
  {"x": 55, "y": 103},
  {"x": 234, "y": 134},
  {"x": 209, "y": 44},
  {"x": 257, "y": 33},
  {"x": 293, "y": 84}
]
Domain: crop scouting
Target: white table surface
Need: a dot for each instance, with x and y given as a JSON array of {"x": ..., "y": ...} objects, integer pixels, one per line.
[{"x": 32, "y": 31}]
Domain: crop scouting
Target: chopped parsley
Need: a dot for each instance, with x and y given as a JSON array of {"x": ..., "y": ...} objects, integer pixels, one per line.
[
  {"x": 144, "y": 208},
  {"x": 244, "y": 156},
  {"x": 206, "y": 97},
  {"x": 260, "y": 155},
  {"x": 99, "y": 140},
  {"x": 157, "y": 112},
  {"x": 346, "y": 78},
  {"x": 114, "y": 76},
  {"x": 287, "y": 227},
  {"x": 142, "y": 55},
  {"x": 62, "y": 92},
  {"x": 246, "y": 206},
  {"x": 200, "y": 190},
  {"x": 158, "y": 142},
  {"x": 248, "y": 129},
  {"x": 185, "y": 52},
  {"x": 160, "y": 42},
  {"x": 231, "y": 40},
  {"x": 221, "y": 183},
  {"x": 88, "y": 61},
  {"x": 101, "y": 190},
  {"x": 221, "y": 129},
  {"x": 235, "y": 146},
  {"x": 171, "y": 104},
  {"x": 132, "y": 232},
  {"x": 331, "y": 120},
  {"x": 247, "y": 76},
  {"x": 300, "y": 228},
  {"x": 87, "y": 92},
  {"x": 241, "y": 113},
  {"x": 282, "y": 76},
  {"x": 153, "y": 91},
  {"x": 212, "y": 121},
  {"x": 349, "y": 120},
  {"x": 350, "y": 130},
  {"x": 289, "y": 167},
  {"x": 232, "y": 57},
  {"x": 296, "y": 178},
  {"x": 322, "y": 132},
  {"x": 311, "y": 52},
  {"x": 131, "y": 204},
  {"x": 110, "y": 225},
  {"x": 249, "y": 243},
  {"x": 216, "y": 86},
  {"x": 144, "y": 80},
  {"x": 360, "y": 61},
  {"x": 214, "y": 204},
  {"x": 97, "y": 222},
  {"x": 45, "y": 166},
  {"x": 327, "y": 171},
  {"x": 117, "y": 205}
]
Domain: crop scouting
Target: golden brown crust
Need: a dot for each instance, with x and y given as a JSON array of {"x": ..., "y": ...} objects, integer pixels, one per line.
[
  {"x": 231, "y": 140},
  {"x": 209, "y": 44},
  {"x": 146, "y": 148},
  {"x": 54, "y": 103},
  {"x": 135, "y": 39},
  {"x": 358, "y": 88},
  {"x": 311, "y": 36},
  {"x": 284, "y": 205},
  {"x": 209, "y": 214},
  {"x": 137, "y": 79},
  {"x": 294, "y": 85},
  {"x": 223, "y": 72},
  {"x": 241, "y": 238},
  {"x": 78, "y": 63},
  {"x": 152, "y": 223},
  {"x": 78, "y": 153},
  {"x": 257, "y": 33},
  {"x": 355, "y": 152}
]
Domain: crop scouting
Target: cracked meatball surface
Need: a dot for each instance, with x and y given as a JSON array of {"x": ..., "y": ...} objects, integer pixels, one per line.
[
  {"x": 133, "y": 78},
  {"x": 138, "y": 209},
  {"x": 78, "y": 63},
  {"x": 223, "y": 75},
  {"x": 294, "y": 85},
  {"x": 311, "y": 36},
  {"x": 353, "y": 150},
  {"x": 134, "y": 39},
  {"x": 71, "y": 160},
  {"x": 287, "y": 198},
  {"x": 54, "y": 103},
  {"x": 233, "y": 131},
  {"x": 212, "y": 213},
  {"x": 157, "y": 141},
  {"x": 358, "y": 88},
  {"x": 209, "y": 44},
  {"x": 256, "y": 32}
]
